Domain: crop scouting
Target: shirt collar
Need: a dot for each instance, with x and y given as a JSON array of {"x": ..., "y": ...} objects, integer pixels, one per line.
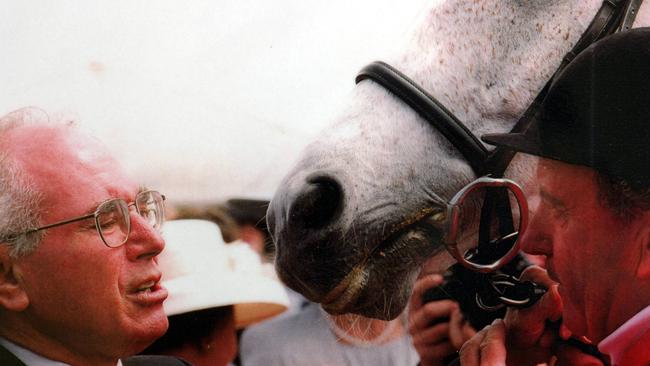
[
  {"x": 616, "y": 343},
  {"x": 30, "y": 358}
]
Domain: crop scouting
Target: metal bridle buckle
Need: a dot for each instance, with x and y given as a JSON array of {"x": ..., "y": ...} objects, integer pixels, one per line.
[
  {"x": 509, "y": 291},
  {"x": 453, "y": 228}
]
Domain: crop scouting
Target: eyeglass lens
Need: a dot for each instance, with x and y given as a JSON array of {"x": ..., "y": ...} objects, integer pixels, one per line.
[
  {"x": 113, "y": 220},
  {"x": 489, "y": 221},
  {"x": 149, "y": 205}
]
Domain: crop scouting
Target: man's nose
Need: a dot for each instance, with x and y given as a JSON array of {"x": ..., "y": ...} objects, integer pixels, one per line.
[
  {"x": 538, "y": 238},
  {"x": 144, "y": 241}
]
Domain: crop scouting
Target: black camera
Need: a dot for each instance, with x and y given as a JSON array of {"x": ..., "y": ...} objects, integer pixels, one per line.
[{"x": 465, "y": 286}]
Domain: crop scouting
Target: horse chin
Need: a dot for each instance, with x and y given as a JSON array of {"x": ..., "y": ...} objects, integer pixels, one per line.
[{"x": 380, "y": 286}]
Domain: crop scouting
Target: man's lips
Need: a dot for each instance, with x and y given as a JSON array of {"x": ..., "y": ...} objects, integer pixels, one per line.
[{"x": 148, "y": 292}]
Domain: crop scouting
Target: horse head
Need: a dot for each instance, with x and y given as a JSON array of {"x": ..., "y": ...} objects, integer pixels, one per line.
[{"x": 349, "y": 219}]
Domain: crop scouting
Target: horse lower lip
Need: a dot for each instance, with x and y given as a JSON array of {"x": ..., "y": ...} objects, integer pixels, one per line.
[{"x": 347, "y": 291}]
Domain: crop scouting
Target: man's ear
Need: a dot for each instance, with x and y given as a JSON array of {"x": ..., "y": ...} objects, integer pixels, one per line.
[
  {"x": 643, "y": 270},
  {"x": 12, "y": 296}
]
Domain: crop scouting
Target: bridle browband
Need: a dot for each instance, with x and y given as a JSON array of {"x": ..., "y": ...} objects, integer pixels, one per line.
[{"x": 613, "y": 16}]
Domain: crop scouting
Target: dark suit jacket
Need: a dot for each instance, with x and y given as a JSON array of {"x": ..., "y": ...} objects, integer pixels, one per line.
[
  {"x": 154, "y": 361},
  {"x": 8, "y": 359}
]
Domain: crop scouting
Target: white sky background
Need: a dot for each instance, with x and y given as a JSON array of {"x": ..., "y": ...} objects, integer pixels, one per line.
[{"x": 203, "y": 100}]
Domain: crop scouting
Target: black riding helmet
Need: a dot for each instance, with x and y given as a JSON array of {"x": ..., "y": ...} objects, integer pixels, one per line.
[{"x": 597, "y": 111}]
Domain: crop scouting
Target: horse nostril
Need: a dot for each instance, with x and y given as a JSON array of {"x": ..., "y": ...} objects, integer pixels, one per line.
[{"x": 316, "y": 204}]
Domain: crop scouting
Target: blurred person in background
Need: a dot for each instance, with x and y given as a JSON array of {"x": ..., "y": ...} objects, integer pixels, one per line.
[
  {"x": 214, "y": 290},
  {"x": 242, "y": 219},
  {"x": 250, "y": 216},
  {"x": 213, "y": 212},
  {"x": 312, "y": 337},
  {"x": 239, "y": 219}
]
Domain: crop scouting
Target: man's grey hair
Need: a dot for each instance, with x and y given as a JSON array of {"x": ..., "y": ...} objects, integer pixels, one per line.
[{"x": 19, "y": 199}]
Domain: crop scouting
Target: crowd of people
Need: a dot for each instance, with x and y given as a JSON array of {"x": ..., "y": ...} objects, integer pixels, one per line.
[{"x": 87, "y": 276}]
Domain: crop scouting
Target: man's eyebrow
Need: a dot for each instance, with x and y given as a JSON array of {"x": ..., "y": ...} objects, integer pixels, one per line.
[
  {"x": 553, "y": 200},
  {"x": 91, "y": 210}
]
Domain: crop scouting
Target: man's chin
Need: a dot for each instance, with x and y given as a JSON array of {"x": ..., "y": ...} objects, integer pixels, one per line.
[
  {"x": 148, "y": 331},
  {"x": 574, "y": 321},
  {"x": 158, "y": 325}
]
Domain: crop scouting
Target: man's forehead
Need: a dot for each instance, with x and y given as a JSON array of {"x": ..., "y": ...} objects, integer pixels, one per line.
[
  {"x": 56, "y": 156},
  {"x": 550, "y": 168},
  {"x": 559, "y": 179},
  {"x": 33, "y": 139}
]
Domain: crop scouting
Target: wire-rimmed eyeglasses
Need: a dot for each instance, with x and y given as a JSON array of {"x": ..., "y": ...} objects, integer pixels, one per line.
[{"x": 112, "y": 219}]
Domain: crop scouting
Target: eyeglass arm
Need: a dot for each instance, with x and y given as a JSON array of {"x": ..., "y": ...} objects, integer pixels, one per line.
[{"x": 59, "y": 223}]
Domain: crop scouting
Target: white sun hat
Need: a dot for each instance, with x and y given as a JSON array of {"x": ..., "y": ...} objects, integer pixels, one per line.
[{"x": 200, "y": 272}]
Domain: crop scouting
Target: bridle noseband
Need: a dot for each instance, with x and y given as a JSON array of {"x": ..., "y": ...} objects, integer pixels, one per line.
[{"x": 431, "y": 110}]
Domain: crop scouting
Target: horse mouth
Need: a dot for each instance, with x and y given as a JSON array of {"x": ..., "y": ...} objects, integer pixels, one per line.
[
  {"x": 355, "y": 293},
  {"x": 346, "y": 293}
]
